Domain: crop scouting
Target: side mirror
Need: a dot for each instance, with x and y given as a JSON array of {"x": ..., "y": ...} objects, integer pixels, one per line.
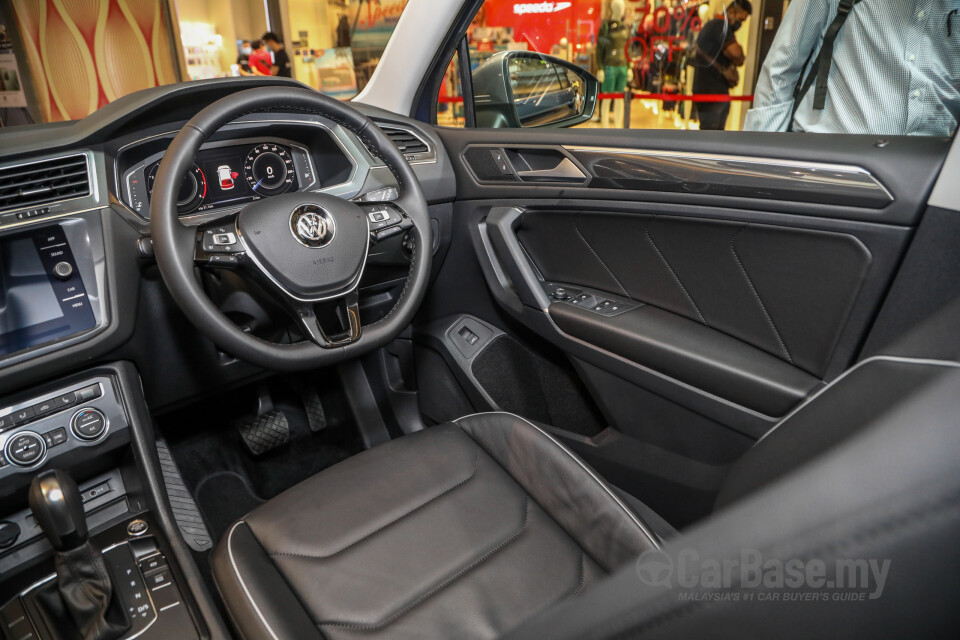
[{"x": 528, "y": 89}]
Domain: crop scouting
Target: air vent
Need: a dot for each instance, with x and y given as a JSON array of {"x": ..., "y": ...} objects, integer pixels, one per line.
[
  {"x": 38, "y": 183},
  {"x": 411, "y": 145},
  {"x": 406, "y": 141}
]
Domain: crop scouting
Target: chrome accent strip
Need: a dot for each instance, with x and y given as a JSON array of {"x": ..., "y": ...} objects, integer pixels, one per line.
[{"x": 753, "y": 173}]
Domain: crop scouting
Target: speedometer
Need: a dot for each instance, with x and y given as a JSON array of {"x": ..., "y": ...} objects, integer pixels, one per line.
[{"x": 268, "y": 169}]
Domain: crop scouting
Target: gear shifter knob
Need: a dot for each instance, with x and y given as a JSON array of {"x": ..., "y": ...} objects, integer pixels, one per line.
[{"x": 56, "y": 504}]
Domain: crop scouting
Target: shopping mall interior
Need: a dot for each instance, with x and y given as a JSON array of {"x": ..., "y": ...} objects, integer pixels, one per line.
[{"x": 335, "y": 45}]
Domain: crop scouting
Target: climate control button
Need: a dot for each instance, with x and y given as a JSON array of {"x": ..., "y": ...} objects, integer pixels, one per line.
[
  {"x": 25, "y": 449},
  {"x": 89, "y": 424}
]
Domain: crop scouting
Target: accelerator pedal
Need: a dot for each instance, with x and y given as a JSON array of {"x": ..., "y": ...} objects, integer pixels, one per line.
[
  {"x": 313, "y": 408},
  {"x": 268, "y": 430}
]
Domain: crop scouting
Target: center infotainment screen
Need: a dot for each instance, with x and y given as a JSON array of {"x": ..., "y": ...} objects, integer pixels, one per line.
[{"x": 42, "y": 297}]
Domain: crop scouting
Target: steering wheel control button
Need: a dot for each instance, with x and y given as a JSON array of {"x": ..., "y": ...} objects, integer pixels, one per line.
[
  {"x": 89, "y": 424},
  {"x": 137, "y": 527},
  {"x": 220, "y": 240},
  {"x": 62, "y": 270},
  {"x": 381, "y": 217},
  {"x": 25, "y": 449}
]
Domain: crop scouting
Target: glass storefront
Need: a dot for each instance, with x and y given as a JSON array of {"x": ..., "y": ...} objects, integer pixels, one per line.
[{"x": 643, "y": 50}]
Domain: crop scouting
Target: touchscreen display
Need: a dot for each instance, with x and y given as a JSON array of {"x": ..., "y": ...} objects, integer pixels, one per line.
[
  {"x": 37, "y": 306},
  {"x": 26, "y": 295}
]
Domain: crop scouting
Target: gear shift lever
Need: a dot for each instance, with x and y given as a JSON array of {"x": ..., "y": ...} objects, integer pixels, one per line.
[
  {"x": 56, "y": 504},
  {"x": 83, "y": 582}
]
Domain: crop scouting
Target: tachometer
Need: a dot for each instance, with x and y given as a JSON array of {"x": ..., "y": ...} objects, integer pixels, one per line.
[
  {"x": 268, "y": 169},
  {"x": 193, "y": 189}
]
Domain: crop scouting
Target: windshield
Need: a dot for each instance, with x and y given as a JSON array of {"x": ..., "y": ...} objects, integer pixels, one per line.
[{"x": 61, "y": 61}]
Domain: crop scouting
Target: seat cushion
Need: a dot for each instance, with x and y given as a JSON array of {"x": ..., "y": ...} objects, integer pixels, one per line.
[{"x": 462, "y": 530}]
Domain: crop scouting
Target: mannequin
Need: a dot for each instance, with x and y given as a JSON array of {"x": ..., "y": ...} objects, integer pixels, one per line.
[{"x": 612, "y": 66}]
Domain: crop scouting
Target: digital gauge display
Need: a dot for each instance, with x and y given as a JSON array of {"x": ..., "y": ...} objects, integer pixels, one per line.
[
  {"x": 269, "y": 169},
  {"x": 193, "y": 189},
  {"x": 222, "y": 176}
]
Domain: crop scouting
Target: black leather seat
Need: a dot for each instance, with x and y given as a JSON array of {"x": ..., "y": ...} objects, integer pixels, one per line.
[
  {"x": 489, "y": 527},
  {"x": 463, "y": 530}
]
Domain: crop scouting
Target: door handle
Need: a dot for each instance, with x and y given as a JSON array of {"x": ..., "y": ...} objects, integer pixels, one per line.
[{"x": 565, "y": 171}]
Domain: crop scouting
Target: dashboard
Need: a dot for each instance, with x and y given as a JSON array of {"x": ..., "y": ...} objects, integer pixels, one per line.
[{"x": 78, "y": 283}]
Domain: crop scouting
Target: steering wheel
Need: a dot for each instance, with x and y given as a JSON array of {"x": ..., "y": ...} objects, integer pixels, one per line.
[{"x": 306, "y": 248}]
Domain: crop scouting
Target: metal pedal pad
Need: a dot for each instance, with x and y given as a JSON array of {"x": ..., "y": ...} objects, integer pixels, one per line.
[
  {"x": 311, "y": 404},
  {"x": 265, "y": 432}
]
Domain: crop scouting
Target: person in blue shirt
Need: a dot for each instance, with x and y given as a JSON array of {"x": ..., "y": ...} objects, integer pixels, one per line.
[{"x": 895, "y": 70}]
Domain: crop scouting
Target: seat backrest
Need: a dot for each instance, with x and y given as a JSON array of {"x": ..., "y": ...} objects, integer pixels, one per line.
[{"x": 878, "y": 494}]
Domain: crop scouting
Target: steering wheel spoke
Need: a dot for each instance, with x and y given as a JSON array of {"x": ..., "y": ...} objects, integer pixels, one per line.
[{"x": 322, "y": 330}]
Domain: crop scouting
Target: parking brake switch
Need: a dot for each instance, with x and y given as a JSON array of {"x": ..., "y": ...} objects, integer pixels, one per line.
[{"x": 468, "y": 336}]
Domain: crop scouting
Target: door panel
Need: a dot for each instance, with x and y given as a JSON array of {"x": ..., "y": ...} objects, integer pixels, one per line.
[
  {"x": 722, "y": 291},
  {"x": 785, "y": 291}
]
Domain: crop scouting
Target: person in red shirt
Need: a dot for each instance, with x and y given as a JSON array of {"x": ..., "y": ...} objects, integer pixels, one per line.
[{"x": 260, "y": 60}]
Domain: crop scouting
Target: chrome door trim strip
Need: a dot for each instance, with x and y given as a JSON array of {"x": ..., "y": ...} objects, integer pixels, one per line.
[{"x": 753, "y": 174}]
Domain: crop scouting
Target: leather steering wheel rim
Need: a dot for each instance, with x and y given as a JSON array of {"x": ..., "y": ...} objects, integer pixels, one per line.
[{"x": 174, "y": 243}]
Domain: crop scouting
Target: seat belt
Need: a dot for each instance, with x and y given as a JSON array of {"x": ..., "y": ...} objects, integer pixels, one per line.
[{"x": 820, "y": 71}]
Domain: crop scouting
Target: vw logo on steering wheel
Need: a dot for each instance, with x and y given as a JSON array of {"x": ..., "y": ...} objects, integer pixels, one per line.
[{"x": 311, "y": 226}]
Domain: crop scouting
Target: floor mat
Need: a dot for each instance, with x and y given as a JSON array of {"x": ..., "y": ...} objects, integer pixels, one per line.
[
  {"x": 219, "y": 513},
  {"x": 224, "y": 479}
]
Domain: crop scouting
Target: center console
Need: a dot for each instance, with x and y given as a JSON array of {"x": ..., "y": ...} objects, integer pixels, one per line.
[{"x": 92, "y": 431}]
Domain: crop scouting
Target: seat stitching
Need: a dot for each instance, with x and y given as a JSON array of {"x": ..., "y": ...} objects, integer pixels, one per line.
[
  {"x": 600, "y": 260},
  {"x": 756, "y": 294},
  {"x": 654, "y": 539},
  {"x": 583, "y": 576},
  {"x": 476, "y": 464},
  {"x": 440, "y": 587},
  {"x": 672, "y": 272}
]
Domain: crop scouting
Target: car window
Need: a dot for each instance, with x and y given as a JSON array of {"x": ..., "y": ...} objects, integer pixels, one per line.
[
  {"x": 62, "y": 61},
  {"x": 892, "y": 69}
]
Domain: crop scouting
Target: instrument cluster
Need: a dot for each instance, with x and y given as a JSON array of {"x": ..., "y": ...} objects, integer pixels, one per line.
[{"x": 224, "y": 176}]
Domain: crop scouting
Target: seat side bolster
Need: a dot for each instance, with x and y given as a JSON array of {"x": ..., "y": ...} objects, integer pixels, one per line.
[
  {"x": 261, "y": 603},
  {"x": 585, "y": 506}
]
